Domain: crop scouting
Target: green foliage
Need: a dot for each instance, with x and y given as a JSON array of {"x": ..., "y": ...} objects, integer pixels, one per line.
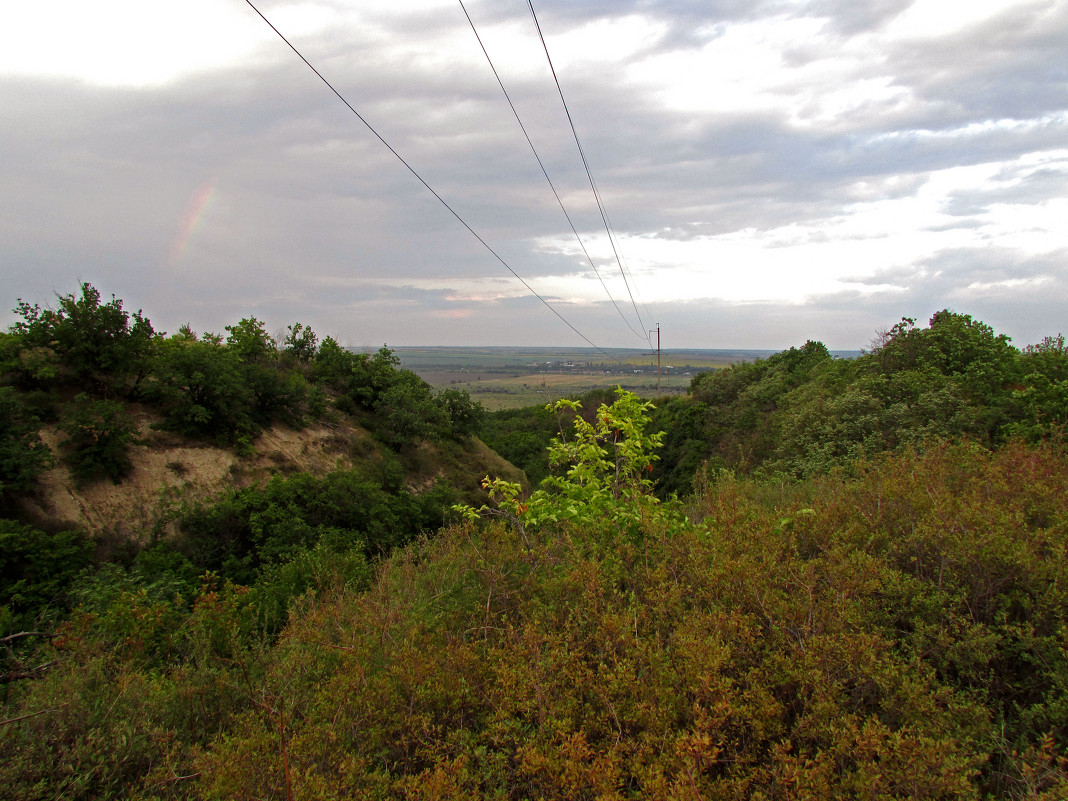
[
  {"x": 895, "y": 633},
  {"x": 200, "y": 388},
  {"x": 300, "y": 342},
  {"x": 404, "y": 405},
  {"x": 107, "y": 720},
  {"x": 1040, "y": 402},
  {"x": 93, "y": 342},
  {"x": 358, "y": 380},
  {"x": 36, "y": 568},
  {"x": 604, "y": 481},
  {"x": 892, "y": 630},
  {"x": 465, "y": 416},
  {"x": 406, "y": 411},
  {"x": 210, "y": 391},
  {"x": 246, "y": 530},
  {"x": 22, "y": 454},
  {"x": 99, "y": 435},
  {"x": 153, "y": 666},
  {"x": 803, "y": 413},
  {"x": 822, "y": 640},
  {"x": 522, "y": 436},
  {"x": 952, "y": 345},
  {"x": 250, "y": 341}
]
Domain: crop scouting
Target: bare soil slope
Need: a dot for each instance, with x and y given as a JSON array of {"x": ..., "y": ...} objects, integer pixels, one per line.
[{"x": 170, "y": 472}]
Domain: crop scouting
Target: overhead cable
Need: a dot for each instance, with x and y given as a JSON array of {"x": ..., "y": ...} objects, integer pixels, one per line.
[
  {"x": 545, "y": 172},
  {"x": 428, "y": 187},
  {"x": 585, "y": 163}
]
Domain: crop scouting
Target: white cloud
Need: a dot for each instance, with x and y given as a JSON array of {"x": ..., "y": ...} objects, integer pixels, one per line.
[
  {"x": 935, "y": 19},
  {"x": 790, "y": 160},
  {"x": 125, "y": 42}
]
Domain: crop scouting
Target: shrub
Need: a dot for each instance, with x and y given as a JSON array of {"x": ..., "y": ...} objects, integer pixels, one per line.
[
  {"x": 201, "y": 389},
  {"x": 22, "y": 454},
  {"x": 94, "y": 341},
  {"x": 99, "y": 435},
  {"x": 604, "y": 482},
  {"x": 36, "y": 568}
]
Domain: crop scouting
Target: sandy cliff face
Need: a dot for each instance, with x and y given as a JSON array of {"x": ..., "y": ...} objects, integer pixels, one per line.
[{"x": 169, "y": 471}]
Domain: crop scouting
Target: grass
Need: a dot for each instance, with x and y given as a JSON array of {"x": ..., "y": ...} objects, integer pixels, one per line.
[
  {"x": 513, "y": 392},
  {"x": 510, "y": 378}
]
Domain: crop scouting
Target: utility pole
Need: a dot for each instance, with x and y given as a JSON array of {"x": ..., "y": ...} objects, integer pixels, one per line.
[{"x": 657, "y": 360}]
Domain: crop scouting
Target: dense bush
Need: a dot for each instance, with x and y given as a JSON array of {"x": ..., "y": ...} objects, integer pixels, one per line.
[
  {"x": 895, "y": 633},
  {"x": 209, "y": 390},
  {"x": 99, "y": 435},
  {"x": 93, "y": 343},
  {"x": 801, "y": 412},
  {"x": 894, "y": 629},
  {"x": 22, "y": 454},
  {"x": 248, "y": 529},
  {"x": 406, "y": 411},
  {"x": 830, "y": 640},
  {"x": 404, "y": 405},
  {"x": 36, "y": 570}
]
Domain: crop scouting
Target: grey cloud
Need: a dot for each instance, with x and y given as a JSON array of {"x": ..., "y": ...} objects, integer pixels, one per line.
[
  {"x": 93, "y": 183},
  {"x": 850, "y": 18},
  {"x": 1011, "y": 66}
]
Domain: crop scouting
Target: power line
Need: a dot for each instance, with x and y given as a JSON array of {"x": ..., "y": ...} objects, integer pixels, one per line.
[
  {"x": 428, "y": 187},
  {"x": 544, "y": 171},
  {"x": 585, "y": 163}
]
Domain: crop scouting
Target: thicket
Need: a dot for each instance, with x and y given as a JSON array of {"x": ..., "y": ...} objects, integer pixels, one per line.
[
  {"x": 81, "y": 366},
  {"x": 245, "y": 531},
  {"x": 22, "y": 454},
  {"x": 897, "y": 632},
  {"x": 224, "y": 389},
  {"x": 864, "y": 597},
  {"x": 802, "y": 412}
]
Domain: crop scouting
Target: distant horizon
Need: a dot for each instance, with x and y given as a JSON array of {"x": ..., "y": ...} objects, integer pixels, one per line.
[{"x": 587, "y": 349}]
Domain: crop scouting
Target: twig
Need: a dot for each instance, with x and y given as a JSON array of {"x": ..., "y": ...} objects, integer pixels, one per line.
[
  {"x": 7, "y": 678},
  {"x": 23, "y": 717},
  {"x": 21, "y": 634}
]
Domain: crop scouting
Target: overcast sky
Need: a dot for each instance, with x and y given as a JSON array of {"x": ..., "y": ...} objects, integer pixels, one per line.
[{"x": 773, "y": 171}]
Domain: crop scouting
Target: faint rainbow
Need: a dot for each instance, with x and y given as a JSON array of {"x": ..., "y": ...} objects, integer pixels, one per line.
[{"x": 194, "y": 214}]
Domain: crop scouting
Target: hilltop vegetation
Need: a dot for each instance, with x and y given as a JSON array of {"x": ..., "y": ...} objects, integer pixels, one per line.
[
  {"x": 802, "y": 412},
  {"x": 812, "y": 578},
  {"x": 89, "y": 377}
]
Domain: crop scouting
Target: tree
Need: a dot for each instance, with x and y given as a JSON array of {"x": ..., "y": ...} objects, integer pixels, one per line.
[
  {"x": 300, "y": 342},
  {"x": 604, "y": 483},
  {"x": 953, "y": 345},
  {"x": 203, "y": 392},
  {"x": 99, "y": 435},
  {"x": 406, "y": 411},
  {"x": 465, "y": 415},
  {"x": 1040, "y": 402},
  {"x": 36, "y": 568},
  {"x": 92, "y": 340},
  {"x": 22, "y": 454},
  {"x": 250, "y": 341}
]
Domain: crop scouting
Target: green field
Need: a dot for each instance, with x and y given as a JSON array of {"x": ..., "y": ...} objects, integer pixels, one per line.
[
  {"x": 508, "y": 378},
  {"x": 496, "y": 391}
]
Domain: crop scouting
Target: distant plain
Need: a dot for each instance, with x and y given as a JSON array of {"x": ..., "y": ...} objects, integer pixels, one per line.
[{"x": 509, "y": 378}]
